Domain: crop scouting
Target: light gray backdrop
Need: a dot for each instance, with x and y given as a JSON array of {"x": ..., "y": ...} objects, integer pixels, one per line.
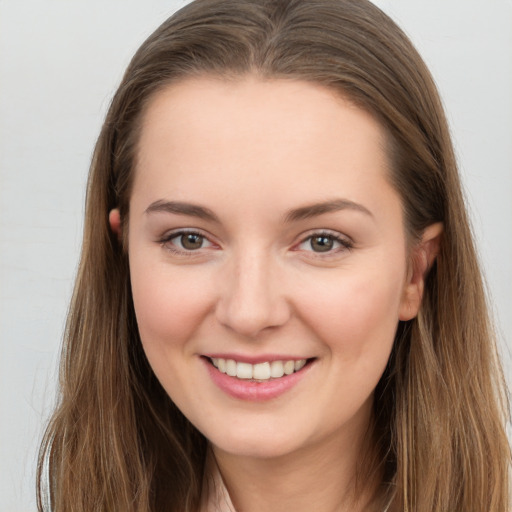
[{"x": 60, "y": 61}]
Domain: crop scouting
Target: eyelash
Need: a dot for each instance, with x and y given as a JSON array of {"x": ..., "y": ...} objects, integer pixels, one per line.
[
  {"x": 165, "y": 241},
  {"x": 345, "y": 244}
]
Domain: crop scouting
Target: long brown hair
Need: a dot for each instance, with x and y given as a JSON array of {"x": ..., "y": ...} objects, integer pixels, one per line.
[{"x": 117, "y": 442}]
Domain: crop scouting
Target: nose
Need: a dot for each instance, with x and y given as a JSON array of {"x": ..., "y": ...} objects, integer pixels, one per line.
[{"x": 252, "y": 296}]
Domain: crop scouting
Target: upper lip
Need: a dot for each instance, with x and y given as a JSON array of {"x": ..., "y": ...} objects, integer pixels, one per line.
[{"x": 254, "y": 359}]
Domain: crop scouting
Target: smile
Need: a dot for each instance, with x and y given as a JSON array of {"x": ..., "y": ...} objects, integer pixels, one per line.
[
  {"x": 261, "y": 371},
  {"x": 258, "y": 382}
]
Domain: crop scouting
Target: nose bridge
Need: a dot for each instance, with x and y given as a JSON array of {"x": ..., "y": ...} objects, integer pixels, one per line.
[{"x": 252, "y": 297}]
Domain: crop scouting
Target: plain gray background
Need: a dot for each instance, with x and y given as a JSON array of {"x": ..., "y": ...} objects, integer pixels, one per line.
[{"x": 60, "y": 61}]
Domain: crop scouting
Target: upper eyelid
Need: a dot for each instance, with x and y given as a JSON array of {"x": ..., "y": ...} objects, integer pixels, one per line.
[
  {"x": 167, "y": 236},
  {"x": 165, "y": 242},
  {"x": 184, "y": 231},
  {"x": 326, "y": 232},
  {"x": 346, "y": 243}
]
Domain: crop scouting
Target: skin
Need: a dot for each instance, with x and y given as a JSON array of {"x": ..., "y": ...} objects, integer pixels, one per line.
[{"x": 250, "y": 152}]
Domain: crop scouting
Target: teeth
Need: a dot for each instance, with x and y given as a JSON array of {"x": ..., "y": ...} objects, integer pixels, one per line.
[
  {"x": 260, "y": 371},
  {"x": 289, "y": 367},
  {"x": 276, "y": 369},
  {"x": 244, "y": 370},
  {"x": 299, "y": 364},
  {"x": 231, "y": 367}
]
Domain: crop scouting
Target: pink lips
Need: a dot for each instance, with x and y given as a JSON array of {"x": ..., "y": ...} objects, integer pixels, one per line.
[{"x": 252, "y": 390}]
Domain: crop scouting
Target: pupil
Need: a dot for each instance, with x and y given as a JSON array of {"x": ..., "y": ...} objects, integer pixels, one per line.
[
  {"x": 321, "y": 243},
  {"x": 191, "y": 241}
]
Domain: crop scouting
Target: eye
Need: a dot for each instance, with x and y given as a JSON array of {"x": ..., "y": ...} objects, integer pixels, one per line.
[
  {"x": 190, "y": 241},
  {"x": 324, "y": 243},
  {"x": 185, "y": 241}
]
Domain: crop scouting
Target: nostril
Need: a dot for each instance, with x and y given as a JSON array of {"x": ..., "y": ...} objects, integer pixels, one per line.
[{"x": 251, "y": 319}]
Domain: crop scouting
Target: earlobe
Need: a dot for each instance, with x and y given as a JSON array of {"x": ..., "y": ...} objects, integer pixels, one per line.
[
  {"x": 423, "y": 256},
  {"x": 114, "y": 219}
]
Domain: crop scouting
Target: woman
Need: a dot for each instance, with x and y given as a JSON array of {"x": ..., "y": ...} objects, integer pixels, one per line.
[{"x": 278, "y": 303}]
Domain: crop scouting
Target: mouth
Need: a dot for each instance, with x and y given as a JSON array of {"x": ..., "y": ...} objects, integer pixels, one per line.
[{"x": 260, "y": 372}]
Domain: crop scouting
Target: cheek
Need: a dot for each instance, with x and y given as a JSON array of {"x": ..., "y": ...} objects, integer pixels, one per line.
[
  {"x": 168, "y": 306},
  {"x": 357, "y": 314}
]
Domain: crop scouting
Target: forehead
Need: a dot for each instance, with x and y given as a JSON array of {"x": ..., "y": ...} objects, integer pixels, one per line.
[
  {"x": 252, "y": 104},
  {"x": 251, "y": 136}
]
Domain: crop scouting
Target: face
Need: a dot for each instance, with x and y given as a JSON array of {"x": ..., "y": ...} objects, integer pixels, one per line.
[{"x": 268, "y": 260}]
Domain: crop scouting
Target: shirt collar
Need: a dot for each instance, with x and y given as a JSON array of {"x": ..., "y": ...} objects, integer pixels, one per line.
[{"x": 214, "y": 496}]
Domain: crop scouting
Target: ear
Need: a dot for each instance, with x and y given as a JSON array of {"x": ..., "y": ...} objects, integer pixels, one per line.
[
  {"x": 114, "y": 219},
  {"x": 422, "y": 258}
]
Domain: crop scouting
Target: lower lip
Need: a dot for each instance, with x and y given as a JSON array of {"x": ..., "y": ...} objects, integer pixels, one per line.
[{"x": 255, "y": 391}]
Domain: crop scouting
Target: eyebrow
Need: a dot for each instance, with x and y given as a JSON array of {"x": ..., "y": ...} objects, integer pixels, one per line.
[
  {"x": 304, "y": 212},
  {"x": 334, "y": 205},
  {"x": 180, "y": 208}
]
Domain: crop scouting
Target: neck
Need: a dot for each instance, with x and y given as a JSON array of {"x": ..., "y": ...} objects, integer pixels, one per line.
[{"x": 319, "y": 477}]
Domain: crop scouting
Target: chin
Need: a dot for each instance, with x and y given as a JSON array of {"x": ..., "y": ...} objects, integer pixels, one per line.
[
  {"x": 255, "y": 450},
  {"x": 255, "y": 444}
]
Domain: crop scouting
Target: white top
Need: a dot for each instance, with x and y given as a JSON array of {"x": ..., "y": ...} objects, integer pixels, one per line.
[{"x": 215, "y": 496}]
